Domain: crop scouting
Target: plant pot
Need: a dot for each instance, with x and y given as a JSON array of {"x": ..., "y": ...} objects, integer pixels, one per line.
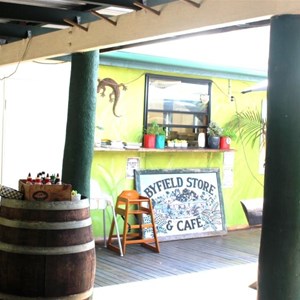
[
  {"x": 213, "y": 142},
  {"x": 160, "y": 141},
  {"x": 225, "y": 142},
  {"x": 149, "y": 140}
]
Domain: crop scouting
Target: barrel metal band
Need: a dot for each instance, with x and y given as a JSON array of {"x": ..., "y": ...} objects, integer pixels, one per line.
[
  {"x": 46, "y": 205},
  {"x": 79, "y": 296},
  {"x": 45, "y": 225},
  {"x": 46, "y": 250}
]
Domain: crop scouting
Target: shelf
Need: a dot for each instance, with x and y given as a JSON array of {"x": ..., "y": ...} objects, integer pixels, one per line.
[{"x": 165, "y": 150}]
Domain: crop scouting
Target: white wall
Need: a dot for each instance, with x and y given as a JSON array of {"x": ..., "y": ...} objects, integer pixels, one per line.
[{"x": 33, "y": 108}]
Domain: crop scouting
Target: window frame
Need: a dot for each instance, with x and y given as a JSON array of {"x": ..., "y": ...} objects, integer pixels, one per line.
[{"x": 195, "y": 128}]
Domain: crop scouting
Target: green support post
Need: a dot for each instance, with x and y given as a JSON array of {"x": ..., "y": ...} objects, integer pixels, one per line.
[
  {"x": 279, "y": 258},
  {"x": 79, "y": 142}
]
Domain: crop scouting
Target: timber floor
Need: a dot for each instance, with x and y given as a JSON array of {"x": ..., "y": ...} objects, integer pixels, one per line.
[{"x": 208, "y": 264}]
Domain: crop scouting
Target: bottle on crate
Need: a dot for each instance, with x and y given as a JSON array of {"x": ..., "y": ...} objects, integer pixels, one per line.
[
  {"x": 47, "y": 180},
  {"x": 29, "y": 179},
  {"x": 57, "y": 179},
  {"x": 42, "y": 174},
  {"x": 41, "y": 178},
  {"x": 52, "y": 178},
  {"x": 38, "y": 180}
]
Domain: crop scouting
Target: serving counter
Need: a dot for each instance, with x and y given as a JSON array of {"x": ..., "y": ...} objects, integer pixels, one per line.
[{"x": 167, "y": 149}]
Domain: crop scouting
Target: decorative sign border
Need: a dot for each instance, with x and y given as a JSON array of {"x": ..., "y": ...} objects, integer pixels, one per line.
[{"x": 187, "y": 203}]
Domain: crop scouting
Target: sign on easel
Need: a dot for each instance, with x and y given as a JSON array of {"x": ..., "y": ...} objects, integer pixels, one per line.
[{"x": 187, "y": 202}]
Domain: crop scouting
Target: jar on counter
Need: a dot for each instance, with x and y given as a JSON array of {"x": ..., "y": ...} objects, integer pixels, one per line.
[{"x": 201, "y": 140}]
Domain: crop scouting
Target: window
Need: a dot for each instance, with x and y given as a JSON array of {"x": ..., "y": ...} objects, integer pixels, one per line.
[{"x": 181, "y": 105}]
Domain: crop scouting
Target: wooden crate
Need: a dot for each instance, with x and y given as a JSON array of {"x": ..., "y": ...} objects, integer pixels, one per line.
[{"x": 54, "y": 192}]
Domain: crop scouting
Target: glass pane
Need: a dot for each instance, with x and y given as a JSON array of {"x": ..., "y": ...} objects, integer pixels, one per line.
[
  {"x": 169, "y": 118},
  {"x": 175, "y": 95}
]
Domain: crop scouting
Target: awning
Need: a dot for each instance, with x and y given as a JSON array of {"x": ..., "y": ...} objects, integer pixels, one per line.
[{"x": 261, "y": 86}]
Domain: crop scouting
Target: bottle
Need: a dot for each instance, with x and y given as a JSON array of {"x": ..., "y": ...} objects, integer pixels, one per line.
[
  {"x": 201, "y": 140},
  {"x": 42, "y": 174},
  {"x": 52, "y": 178},
  {"x": 47, "y": 179},
  {"x": 29, "y": 179},
  {"x": 38, "y": 180},
  {"x": 57, "y": 179}
]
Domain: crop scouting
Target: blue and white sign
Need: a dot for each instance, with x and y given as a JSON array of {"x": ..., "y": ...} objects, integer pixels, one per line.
[{"x": 187, "y": 202}]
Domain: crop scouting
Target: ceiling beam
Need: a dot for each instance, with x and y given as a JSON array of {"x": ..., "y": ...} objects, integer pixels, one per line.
[
  {"x": 120, "y": 3},
  {"x": 141, "y": 26},
  {"x": 46, "y": 15},
  {"x": 127, "y": 3},
  {"x": 13, "y": 32}
]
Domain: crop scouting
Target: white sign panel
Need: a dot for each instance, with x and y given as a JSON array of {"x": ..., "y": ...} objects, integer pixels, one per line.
[
  {"x": 186, "y": 202},
  {"x": 133, "y": 163}
]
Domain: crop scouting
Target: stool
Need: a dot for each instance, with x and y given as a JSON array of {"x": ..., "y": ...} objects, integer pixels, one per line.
[
  {"x": 131, "y": 203},
  {"x": 99, "y": 200}
]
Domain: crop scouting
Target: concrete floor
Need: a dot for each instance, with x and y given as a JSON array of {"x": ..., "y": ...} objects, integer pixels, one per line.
[{"x": 231, "y": 283}]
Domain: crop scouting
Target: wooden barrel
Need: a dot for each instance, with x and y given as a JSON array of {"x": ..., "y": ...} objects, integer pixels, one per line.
[{"x": 47, "y": 250}]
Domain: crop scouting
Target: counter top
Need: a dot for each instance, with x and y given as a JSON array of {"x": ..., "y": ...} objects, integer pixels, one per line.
[{"x": 167, "y": 149}]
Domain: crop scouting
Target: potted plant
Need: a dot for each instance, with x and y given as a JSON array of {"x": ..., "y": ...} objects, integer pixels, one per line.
[
  {"x": 160, "y": 137},
  {"x": 228, "y": 134},
  {"x": 214, "y": 132},
  {"x": 250, "y": 125},
  {"x": 150, "y": 135}
]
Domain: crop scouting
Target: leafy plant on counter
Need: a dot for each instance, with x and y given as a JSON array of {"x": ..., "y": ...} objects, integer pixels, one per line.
[
  {"x": 229, "y": 132},
  {"x": 214, "y": 129},
  {"x": 160, "y": 131},
  {"x": 155, "y": 128},
  {"x": 152, "y": 128}
]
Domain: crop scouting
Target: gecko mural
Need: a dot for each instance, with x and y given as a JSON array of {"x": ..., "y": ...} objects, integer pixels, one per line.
[{"x": 114, "y": 96}]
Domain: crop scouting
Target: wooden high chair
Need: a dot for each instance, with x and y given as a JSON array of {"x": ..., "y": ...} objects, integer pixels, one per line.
[{"x": 133, "y": 207}]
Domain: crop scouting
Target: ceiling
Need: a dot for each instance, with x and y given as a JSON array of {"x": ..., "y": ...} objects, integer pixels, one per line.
[
  {"x": 203, "y": 30},
  {"x": 244, "y": 46},
  {"x": 244, "y": 49},
  {"x": 20, "y": 19}
]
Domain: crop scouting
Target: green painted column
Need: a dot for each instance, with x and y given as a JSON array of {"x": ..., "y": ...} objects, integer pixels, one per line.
[
  {"x": 79, "y": 143},
  {"x": 279, "y": 259}
]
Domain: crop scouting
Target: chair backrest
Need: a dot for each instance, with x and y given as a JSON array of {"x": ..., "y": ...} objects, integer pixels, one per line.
[
  {"x": 130, "y": 194},
  {"x": 98, "y": 199},
  {"x": 95, "y": 190}
]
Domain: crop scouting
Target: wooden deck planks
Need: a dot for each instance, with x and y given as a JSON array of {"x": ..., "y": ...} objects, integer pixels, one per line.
[{"x": 177, "y": 257}]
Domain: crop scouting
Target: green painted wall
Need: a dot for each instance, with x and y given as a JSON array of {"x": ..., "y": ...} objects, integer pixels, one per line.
[{"x": 109, "y": 168}]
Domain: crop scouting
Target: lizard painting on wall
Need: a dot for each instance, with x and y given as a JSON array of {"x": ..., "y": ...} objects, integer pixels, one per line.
[{"x": 114, "y": 95}]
